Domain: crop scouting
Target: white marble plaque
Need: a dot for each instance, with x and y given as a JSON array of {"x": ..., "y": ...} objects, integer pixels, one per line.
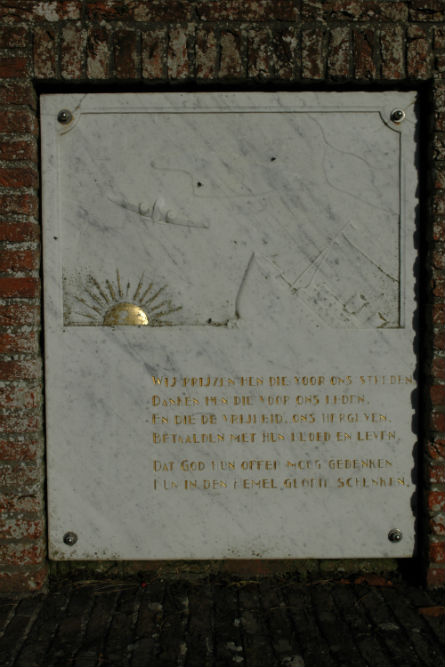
[{"x": 229, "y": 305}]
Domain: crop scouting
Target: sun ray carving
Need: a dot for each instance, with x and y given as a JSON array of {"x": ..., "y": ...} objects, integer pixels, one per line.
[{"x": 110, "y": 304}]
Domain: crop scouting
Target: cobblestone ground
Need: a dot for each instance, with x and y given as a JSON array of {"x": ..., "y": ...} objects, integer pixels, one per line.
[{"x": 266, "y": 623}]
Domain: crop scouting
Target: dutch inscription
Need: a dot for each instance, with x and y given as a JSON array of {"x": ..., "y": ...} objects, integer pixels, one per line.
[{"x": 184, "y": 420}]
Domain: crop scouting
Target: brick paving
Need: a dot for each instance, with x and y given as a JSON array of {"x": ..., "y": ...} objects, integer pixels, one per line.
[{"x": 270, "y": 622}]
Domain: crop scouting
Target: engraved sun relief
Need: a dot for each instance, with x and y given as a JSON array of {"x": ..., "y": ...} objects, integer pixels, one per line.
[{"x": 114, "y": 303}]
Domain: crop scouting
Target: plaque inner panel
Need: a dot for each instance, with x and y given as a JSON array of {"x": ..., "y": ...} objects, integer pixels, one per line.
[{"x": 229, "y": 324}]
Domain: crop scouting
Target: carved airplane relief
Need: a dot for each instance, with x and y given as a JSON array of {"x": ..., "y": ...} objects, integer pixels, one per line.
[{"x": 158, "y": 212}]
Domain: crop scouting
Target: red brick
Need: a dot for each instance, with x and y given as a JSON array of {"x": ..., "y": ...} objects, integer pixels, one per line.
[
  {"x": 439, "y": 147},
  {"x": 439, "y": 340},
  {"x": 19, "y": 287},
  {"x": 248, "y": 10},
  {"x": 11, "y": 450},
  {"x": 126, "y": 59},
  {"x": 73, "y": 41},
  {"x": 387, "y": 11},
  {"x": 255, "y": 568},
  {"x": 436, "y": 449},
  {"x": 438, "y": 421},
  {"x": 20, "y": 424},
  {"x": 436, "y": 501},
  {"x": 17, "y": 232},
  {"x": 419, "y": 53},
  {"x": 172, "y": 11},
  {"x": 439, "y": 94},
  {"x": 18, "y": 92},
  {"x": 433, "y": 611},
  {"x": 18, "y": 315},
  {"x": 438, "y": 260},
  {"x": 335, "y": 10},
  {"x": 21, "y": 476},
  {"x": 19, "y": 529},
  {"x": 438, "y": 368},
  {"x": 439, "y": 121},
  {"x": 437, "y": 275},
  {"x": 339, "y": 49},
  {"x": 12, "y": 36},
  {"x": 313, "y": 60},
  {"x": 439, "y": 177},
  {"x": 13, "y": 397},
  {"x": 284, "y": 44},
  {"x": 437, "y": 525},
  {"x": 437, "y": 394},
  {"x": 231, "y": 65},
  {"x": 438, "y": 204},
  {"x": 258, "y": 53},
  {"x": 364, "y": 10},
  {"x": 20, "y": 449},
  {"x": 154, "y": 54},
  {"x": 18, "y": 122},
  {"x": 18, "y": 177},
  {"x": 16, "y": 67},
  {"x": 435, "y": 577},
  {"x": 31, "y": 503},
  {"x": 437, "y": 552},
  {"x": 18, "y": 261},
  {"x": 439, "y": 63},
  {"x": 23, "y": 343},
  {"x": 438, "y": 232},
  {"x": 438, "y": 314},
  {"x": 98, "y": 10},
  {"x": 45, "y": 53},
  {"x": 178, "y": 64},
  {"x": 18, "y": 149},
  {"x": 439, "y": 38},
  {"x": 139, "y": 10},
  {"x": 438, "y": 287},
  {"x": 20, "y": 370},
  {"x": 312, "y": 10},
  {"x": 427, "y": 10},
  {"x": 373, "y": 580},
  {"x": 98, "y": 54},
  {"x": 392, "y": 52},
  {"x": 22, "y": 554},
  {"x": 364, "y": 54},
  {"x": 206, "y": 53},
  {"x": 30, "y": 579},
  {"x": 436, "y": 473},
  {"x": 48, "y": 10}
]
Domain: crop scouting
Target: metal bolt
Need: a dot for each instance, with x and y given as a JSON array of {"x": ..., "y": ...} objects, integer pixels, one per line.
[
  {"x": 70, "y": 539},
  {"x": 64, "y": 116},
  {"x": 395, "y": 535},
  {"x": 397, "y": 115}
]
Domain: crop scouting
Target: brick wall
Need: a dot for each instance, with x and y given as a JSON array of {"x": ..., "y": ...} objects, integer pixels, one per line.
[{"x": 62, "y": 45}]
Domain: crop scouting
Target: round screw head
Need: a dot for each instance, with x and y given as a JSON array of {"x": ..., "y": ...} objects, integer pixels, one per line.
[
  {"x": 64, "y": 116},
  {"x": 70, "y": 539},
  {"x": 397, "y": 115},
  {"x": 395, "y": 535}
]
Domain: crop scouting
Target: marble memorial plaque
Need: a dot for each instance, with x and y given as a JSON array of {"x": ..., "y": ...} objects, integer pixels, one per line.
[{"x": 229, "y": 324}]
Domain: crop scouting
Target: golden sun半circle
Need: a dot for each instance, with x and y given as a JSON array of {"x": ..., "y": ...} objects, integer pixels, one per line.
[{"x": 125, "y": 314}]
